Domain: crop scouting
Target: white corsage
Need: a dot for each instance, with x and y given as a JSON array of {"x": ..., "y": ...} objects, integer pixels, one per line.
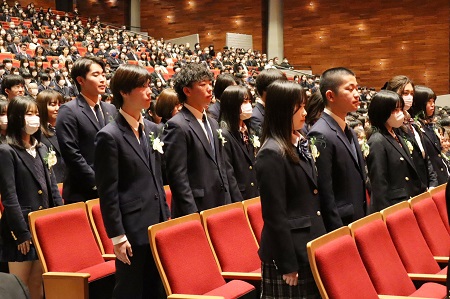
[
  {"x": 314, "y": 151},
  {"x": 409, "y": 145},
  {"x": 255, "y": 141},
  {"x": 51, "y": 159},
  {"x": 156, "y": 143},
  {"x": 365, "y": 148},
  {"x": 221, "y": 138}
]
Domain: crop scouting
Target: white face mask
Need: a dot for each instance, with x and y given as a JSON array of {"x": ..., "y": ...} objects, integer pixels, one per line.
[
  {"x": 61, "y": 82},
  {"x": 32, "y": 123},
  {"x": 3, "y": 122},
  {"x": 46, "y": 83},
  {"x": 408, "y": 102},
  {"x": 396, "y": 119},
  {"x": 34, "y": 91},
  {"x": 65, "y": 74},
  {"x": 246, "y": 111}
]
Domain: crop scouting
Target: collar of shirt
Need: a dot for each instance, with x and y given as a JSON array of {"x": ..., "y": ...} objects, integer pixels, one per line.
[
  {"x": 197, "y": 114},
  {"x": 134, "y": 124},
  {"x": 340, "y": 121},
  {"x": 32, "y": 149},
  {"x": 90, "y": 102},
  {"x": 261, "y": 102}
]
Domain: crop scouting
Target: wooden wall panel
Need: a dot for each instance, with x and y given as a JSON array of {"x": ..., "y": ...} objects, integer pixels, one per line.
[
  {"x": 114, "y": 12},
  {"x": 376, "y": 39},
  {"x": 44, "y": 3},
  {"x": 210, "y": 19}
]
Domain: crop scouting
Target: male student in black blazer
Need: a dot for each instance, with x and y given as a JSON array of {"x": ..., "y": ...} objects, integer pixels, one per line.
[
  {"x": 340, "y": 162},
  {"x": 129, "y": 179},
  {"x": 78, "y": 122},
  {"x": 193, "y": 148}
]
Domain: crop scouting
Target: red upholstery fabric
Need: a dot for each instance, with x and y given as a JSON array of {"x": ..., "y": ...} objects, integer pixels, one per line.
[
  {"x": 410, "y": 244},
  {"x": 231, "y": 290},
  {"x": 233, "y": 241},
  {"x": 439, "y": 200},
  {"x": 67, "y": 241},
  {"x": 187, "y": 259},
  {"x": 381, "y": 260},
  {"x": 169, "y": 198},
  {"x": 430, "y": 290},
  {"x": 100, "y": 270},
  {"x": 342, "y": 270},
  {"x": 254, "y": 213},
  {"x": 98, "y": 219},
  {"x": 433, "y": 229}
]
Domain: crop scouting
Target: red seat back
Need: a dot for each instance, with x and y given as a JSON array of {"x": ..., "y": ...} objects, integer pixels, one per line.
[
  {"x": 67, "y": 242},
  {"x": 381, "y": 260},
  {"x": 342, "y": 270},
  {"x": 187, "y": 259},
  {"x": 232, "y": 240},
  {"x": 254, "y": 213},
  {"x": 441, "y": 204},
  {"x": 409, "y": 242},
  {"x": 432, "y": 227},
  {"x": 168, "y": 196},
  {"x": 107, "y": 244}
]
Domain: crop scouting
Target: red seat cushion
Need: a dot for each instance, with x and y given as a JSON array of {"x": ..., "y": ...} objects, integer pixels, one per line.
[
  {"x": 67, "y": 241},
  {"x": 433, "y": 229},
  {"x": 381, "y": 260},
  {"x": 410, "y": 244},
  {"x": 342, "y": 270},
  {"x": 231, "y": 290},
  {"x": 233, "y": 241},
  {"x": 98, "y": 219},
  {"x": 430, "y": 290},
  {"x": 256, "y": 221},
  {"x": 187, "y": 259},
  {"x": 100, "y": 270}
]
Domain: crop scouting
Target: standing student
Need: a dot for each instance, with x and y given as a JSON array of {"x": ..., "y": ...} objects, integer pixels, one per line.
[
  {"x": 194, "y": 148},
  {"x": 339, "y": 159},
  {"x": 289, "y": 199},
  {"x": 78, "y": 122},
  {"x": 27, "y": 184},
  {"x": 222, "y": 82},
  {"x": 128, "y": 175},
  {"x": 240, "y": 152},
  {"x": 393, "y": 175}
]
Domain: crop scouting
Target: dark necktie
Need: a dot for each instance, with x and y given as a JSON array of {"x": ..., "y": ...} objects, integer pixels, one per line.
[
  {"x": 99, "y": 114},
  {"x": 208, "y": 131},
  {"x": 143, "y": 141},
  {"x": 349, "y": 135}
]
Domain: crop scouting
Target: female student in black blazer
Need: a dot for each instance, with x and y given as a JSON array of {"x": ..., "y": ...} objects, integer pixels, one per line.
[
  {"x": 392, "y": 171},
  {"x": 423, "y": 110},
  {"x": 240, "y": 145},
  {"x": 27, "y": 184},
  {"x": 287, "y": 178}
]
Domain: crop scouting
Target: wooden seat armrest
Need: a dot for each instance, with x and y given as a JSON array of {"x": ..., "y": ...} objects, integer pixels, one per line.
[
  {"x": 241, "y": 275},
  {"x": 441, "y": 259},
  {"x": 186, "y": 296},
  {"x": 109, "y": 256},
  {"x": 66, "y": 285},
  {"x": 428, "y": 277}
]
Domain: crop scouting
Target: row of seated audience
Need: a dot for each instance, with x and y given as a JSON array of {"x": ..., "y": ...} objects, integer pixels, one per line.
[{"x": 251, "y": 141}]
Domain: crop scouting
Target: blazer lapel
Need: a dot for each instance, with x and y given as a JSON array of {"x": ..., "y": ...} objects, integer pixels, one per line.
[
  {"x": 106, "y": 113},
  {"x": 427, "y": 133},
  {"x": 43, "y": 153},
  {"x": 308, "y": 168},
  {"x": 54, "y": 143},
  {"x": 26, "y": 159},
  {"x": 129, "y": 136},
  {"x": 401, "y": 149},
  {"x": 198, "y": 131},
  {"x": 86, "y": 109},
  {"x": 150, "y": 150},
  {"x": 243, "y": 147}
]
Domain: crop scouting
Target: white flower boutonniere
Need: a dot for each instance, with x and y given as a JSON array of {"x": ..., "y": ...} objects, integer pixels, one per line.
[
  {"x": 409, "y": 145},
  {"x": 51, "y": 159},
  {"x": 365, "y": 148},
  {"x": 255, "y": 141},
  {"x": 312, "y": 144},
  {"x": 156, "y": 143},
  {"x": 221, "y": 138}
]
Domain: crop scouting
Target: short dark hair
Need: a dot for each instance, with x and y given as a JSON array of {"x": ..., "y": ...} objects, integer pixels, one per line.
[
  {"x": 267, "y": 77},
  {"x": 17, "y": 108},
  {"x": 398, "y": 83},
  {"x": 126, "y": 78},
  {"x": 331, "y": 80},
  {"x": 83, "y": 65},
  {"x": 222, "y": 82},
  {"x": 11, "y": 80},
  {"x": 381, "y": 107},
  {"x": 282, "y": 98},
  {"x": 230, "y": 107},
  {"x": 422, "y": 94},
  {"x": 43, "y": 99},
  {"x": 314, "y": 107},
  {"x": 189, "y": 74},
  {"x": 167, "y": 101}
]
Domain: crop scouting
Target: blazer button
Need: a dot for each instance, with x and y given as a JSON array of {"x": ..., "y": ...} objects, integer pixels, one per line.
[
  {"x": 251, "y": 184},
  {"x": 315, "y": 191},
  {"x": 401, "y": 159},
  {"x": 156, "y": 197},
  {"x": 439, "y": 155},
  {"x": 250, "y": 167},
  {"x": 442, "y": 169},
  {"x": 40, "y": 208},
  {"x": 318, "y": 213},
  {"x": 406, "y": 178},
  {"x": 39, "y": 192}
]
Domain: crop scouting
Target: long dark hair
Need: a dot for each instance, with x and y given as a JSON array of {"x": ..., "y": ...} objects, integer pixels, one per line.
[
  {"x": 43, "y": 99},
  {"x": 17, "y": 109},
  {"x": 422, "y": 95},
  {"x": 230, "y": 107},
  {"x": 282, "y": 100}
]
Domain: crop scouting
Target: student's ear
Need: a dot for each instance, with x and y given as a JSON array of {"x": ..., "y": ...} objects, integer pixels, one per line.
[
  {"x": 80, "y": 80},
  {"x": 187, "y": 91},
  {"x": 330, "y": 96}
]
